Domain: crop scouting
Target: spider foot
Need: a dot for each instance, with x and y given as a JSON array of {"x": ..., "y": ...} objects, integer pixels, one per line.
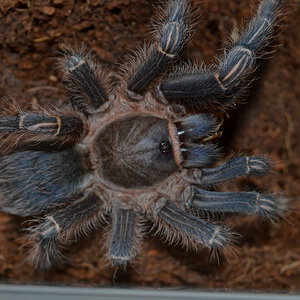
[
  {"x": 46, "y": 250},
  {"x": 63, "y": 226}
]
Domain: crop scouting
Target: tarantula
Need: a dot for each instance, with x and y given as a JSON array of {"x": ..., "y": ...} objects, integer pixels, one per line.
[{"x": 129, "y": 152}]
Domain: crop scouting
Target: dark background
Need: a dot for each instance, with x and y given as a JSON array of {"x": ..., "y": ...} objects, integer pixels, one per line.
[{"x": 268, "y": 257}]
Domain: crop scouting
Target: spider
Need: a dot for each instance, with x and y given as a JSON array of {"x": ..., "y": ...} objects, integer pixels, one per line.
[{"x": 130, "y": 150}]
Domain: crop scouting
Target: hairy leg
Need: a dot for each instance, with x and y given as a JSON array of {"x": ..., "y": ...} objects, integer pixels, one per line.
[
  {"x": 233, "y": 168},
  {"x": 172, "y": 34},
  {"x": 85, "y": 81},
  {"x": 24, "y": 128},
  {"x": 218, "y": 85},
  {"x": 125, "y": 236},
  {"x": 250, "y": 203},
  {"x": 179, "y": 226},
  {"x": 58, "y": 228}
]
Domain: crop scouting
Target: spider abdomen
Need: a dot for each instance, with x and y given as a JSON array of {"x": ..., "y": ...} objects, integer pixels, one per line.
[
  {"x": 135, "y": 151},
  {"x": 33, "y": 181}
]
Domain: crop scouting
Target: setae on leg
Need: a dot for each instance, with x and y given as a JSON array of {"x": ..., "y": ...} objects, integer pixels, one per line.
[
  {"x": 58, "y": 228},
  {"x": 85, "y": 83},
  {"x": 172, "y": 34},
  {"x": 218, "y": 85},
  {"x": 250, "y": 203},
  {"x": 233, "y": 168},
  {"x": 124, "y": 237},
  {"x": 34, "y": 129},
  {"x": 178, "y": 225}
]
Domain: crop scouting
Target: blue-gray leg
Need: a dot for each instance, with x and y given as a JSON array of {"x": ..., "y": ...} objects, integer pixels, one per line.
[
  {"x": 239, "y": 60},
  {"x": 82, "y": 80},
  {"x": 250, "y": 203},
  {"x": 172, "y": 35},
  {"x": 220, "y": 84},
  {"x": 33, "y": 129},
  {"x": 56, "y": 230},
  {"x": 124, "y": 235},
  {"x": 190, "y": 229},
  {"x": 233, "y": 168}
]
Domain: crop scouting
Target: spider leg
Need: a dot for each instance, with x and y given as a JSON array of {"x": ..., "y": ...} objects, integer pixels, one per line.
[
  {"x": 57, "y": 229},
  {"x": 238, "y": 166},
  {"x": 82, "y": 80},
  {"x": 41, "y": 124},
  {"x": 169, "y": 42},
  {"x": 218, "y": 86},
  {"x": 35, "y": 128},
  {"x": 124, "y": 236},
  {"x": 175, "y": 222},
  {"x": 250, "y": 203}
]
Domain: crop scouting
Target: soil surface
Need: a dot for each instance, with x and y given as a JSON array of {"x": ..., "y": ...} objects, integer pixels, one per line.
[{"x": 268, "y": 256}]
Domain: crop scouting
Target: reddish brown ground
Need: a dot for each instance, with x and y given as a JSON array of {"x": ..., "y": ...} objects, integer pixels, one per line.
[{"x": 269, "y": 257}]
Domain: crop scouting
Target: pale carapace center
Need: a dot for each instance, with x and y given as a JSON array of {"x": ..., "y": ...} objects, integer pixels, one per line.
[{"x": 136, "y": 151}]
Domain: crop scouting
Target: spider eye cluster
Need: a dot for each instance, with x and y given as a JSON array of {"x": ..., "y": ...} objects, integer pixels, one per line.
[
  {"x": 165, "y": 147},
  {"x": 135, "y": 151}
]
